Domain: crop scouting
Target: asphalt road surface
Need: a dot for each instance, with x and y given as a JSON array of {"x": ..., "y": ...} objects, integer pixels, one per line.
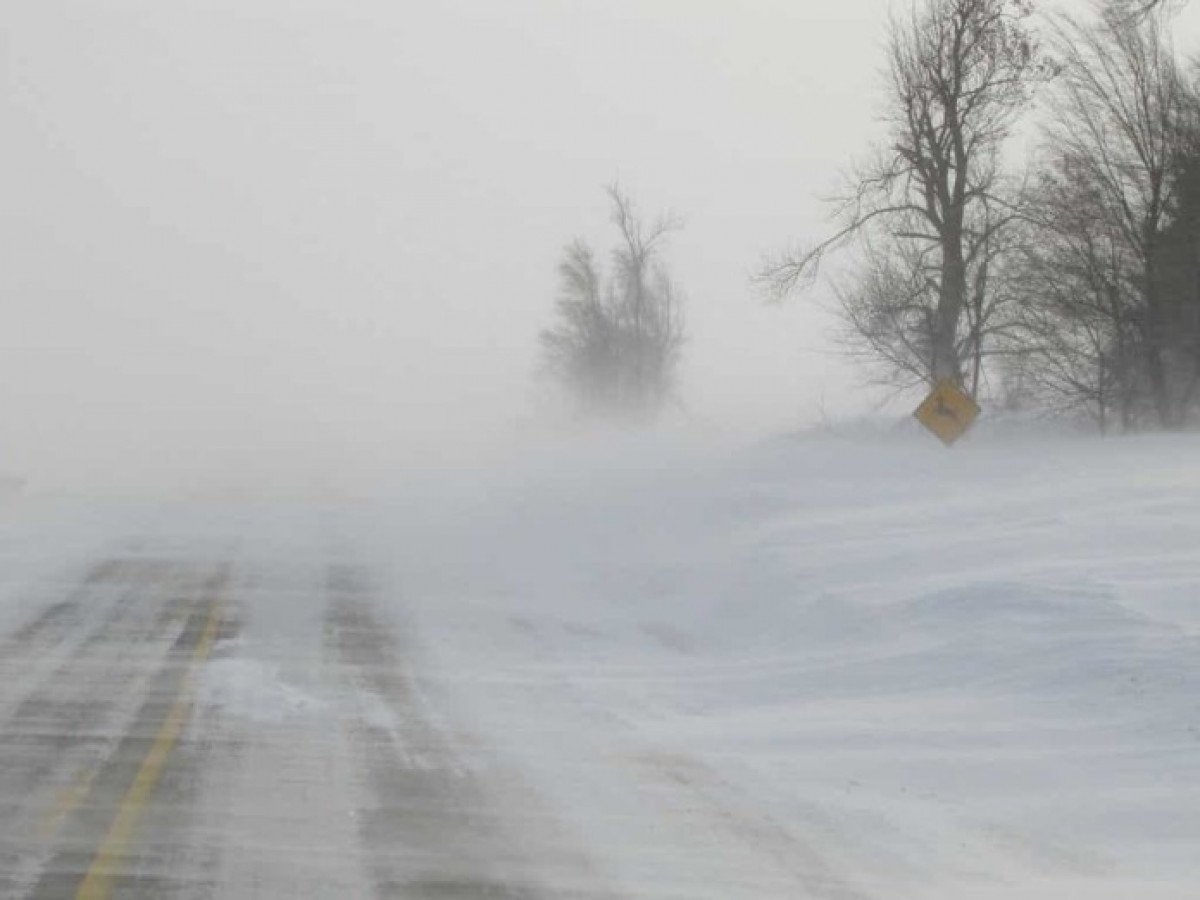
[
  {"x": 294, "y": 699},
  {"x": 146, "y": 752},
  {"x": 231, "y": 701}
]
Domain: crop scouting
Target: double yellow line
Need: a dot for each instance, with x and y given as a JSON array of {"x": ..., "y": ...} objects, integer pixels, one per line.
[{"x": 97, "y": 882}]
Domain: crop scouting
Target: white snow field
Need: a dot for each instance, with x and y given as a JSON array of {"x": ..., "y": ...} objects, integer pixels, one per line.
[{"x": 820, "y": 667}]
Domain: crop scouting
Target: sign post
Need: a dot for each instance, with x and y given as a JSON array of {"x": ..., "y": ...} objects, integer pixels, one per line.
[{"x": 948, "y": 412}]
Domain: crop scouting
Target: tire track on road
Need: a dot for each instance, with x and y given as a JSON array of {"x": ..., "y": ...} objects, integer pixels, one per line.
[
  {"x": 64, "y": 722},
  {"x": 429, "y": 830},
  {"x": 99, "y": 849},
  {"x": 36, "y": 650}
]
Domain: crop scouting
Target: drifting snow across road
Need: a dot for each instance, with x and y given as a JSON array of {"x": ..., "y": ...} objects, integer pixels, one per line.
[
  {"x": 819, "y": 668},
  {"x": 838, "y": 668}
]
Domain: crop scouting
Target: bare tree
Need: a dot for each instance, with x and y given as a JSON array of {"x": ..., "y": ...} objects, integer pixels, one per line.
[
  {"x": 1137, "y": 9},
  {"x": 959, "y": 73},
  {"x": 1123, "y": 117},
  {"x": 1071, "y": 341},
  {"x": 886, "y": 312},
  {"x": 617, "y": 339},
  {"x": 1180, "y": 273},
  {"x": 888, "y": 307}
]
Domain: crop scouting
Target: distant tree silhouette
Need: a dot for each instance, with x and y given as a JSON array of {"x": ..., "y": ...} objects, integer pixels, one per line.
[{"x": 616, "y": 341}]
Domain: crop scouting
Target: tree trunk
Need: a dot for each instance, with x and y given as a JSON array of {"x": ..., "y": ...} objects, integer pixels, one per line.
[
  {"x": 951, "y": 295},
  {"x": 1154, "y": 335}
]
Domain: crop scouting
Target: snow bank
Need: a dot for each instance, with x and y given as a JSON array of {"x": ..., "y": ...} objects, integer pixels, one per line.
[{"x": 953, "y": 673}]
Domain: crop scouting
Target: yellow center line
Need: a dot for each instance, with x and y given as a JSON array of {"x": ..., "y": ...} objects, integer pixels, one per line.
[{"x": 97, "y": 883}]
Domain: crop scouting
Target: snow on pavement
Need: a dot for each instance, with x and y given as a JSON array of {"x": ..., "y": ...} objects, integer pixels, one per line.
[
  {"x": 842, "y": 668},
  {"x": 819, "y": 667}
]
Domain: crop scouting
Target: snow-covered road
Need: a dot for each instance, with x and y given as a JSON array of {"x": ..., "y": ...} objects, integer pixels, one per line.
[
  {"x": 183, "y": 723},
  {"x": 819, "y": 669}
]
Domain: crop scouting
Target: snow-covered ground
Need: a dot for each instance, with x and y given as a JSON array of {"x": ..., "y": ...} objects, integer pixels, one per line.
[
  {"x": 822, "y": 667},
  {"x": 835, "y": 667}
]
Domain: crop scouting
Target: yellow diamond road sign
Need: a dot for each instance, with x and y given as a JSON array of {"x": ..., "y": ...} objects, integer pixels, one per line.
[{"x": 948, "y": 412}]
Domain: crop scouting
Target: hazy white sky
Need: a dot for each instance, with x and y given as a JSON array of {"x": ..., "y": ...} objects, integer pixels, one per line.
[{"x": 236, "y": 230}]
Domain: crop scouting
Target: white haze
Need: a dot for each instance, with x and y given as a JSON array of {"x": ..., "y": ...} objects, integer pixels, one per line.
[
  {"x": 309, "y": 236},
  {"x": 293, "y": 244}
]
